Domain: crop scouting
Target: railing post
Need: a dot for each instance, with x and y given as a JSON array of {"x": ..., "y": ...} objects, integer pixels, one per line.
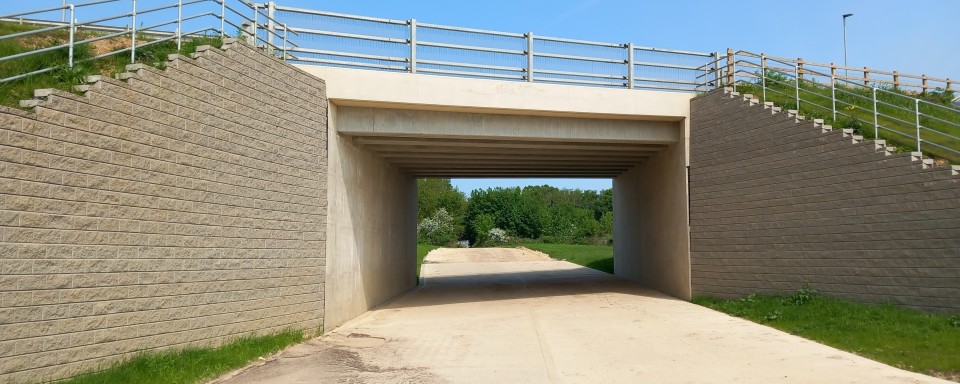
[
  {"x": 796, "y": 79},
  {"x": 179, "y": 24},
  {"x": 530, "y": 56},
  {"x": 716, "y": 70},
  {"x": 413, "y": 45},
  {"x": 271, "y": 26},
  {"x": 763, "y": 75},
  {"x": 256, "y": 10},
  {"x": 866, "y": 76},
  {"x": 923, "y": 79},
  {"x": 73, "y": 28},
  {"x": 896, "y": 80},
  {"x": 800, "y": 67},
  {"x": 133, "y": 33},
  {"x": 284, "y": 25},
  {"x": 223, "y": 18},
  {"x": 949, "y": 85},
  {"x": 876, "y": 116},
  {"x": 833, "y": 90},
  {"x": 916, "y": 103},
  {"x": 630, "y": 67},
  {"x": 731, "y": 68}
]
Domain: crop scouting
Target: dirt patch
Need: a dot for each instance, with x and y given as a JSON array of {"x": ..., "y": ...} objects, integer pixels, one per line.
[
  {"x": 352, "y": 358},
  {"x": 952, "y": 376},
  {"x": 484, "y": 255}
]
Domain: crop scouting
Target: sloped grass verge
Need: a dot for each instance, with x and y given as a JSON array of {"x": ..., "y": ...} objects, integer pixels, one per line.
[
  {"x": 64, "y": 77},
  {"x": 904, "y": 338},
  {"x": 597, "y": 257},
  {"x": 190, "y": 365}
]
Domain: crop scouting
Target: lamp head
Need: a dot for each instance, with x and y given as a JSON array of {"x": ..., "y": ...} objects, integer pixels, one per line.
[{"x": 846, "y": 15}]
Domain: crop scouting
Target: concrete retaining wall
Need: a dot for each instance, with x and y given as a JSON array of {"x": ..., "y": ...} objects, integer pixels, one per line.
[
  {"x": 183, "y": 207},
  {"x": 775, "y": 203}
]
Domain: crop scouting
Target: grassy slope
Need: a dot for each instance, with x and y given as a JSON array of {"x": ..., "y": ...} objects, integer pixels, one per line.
[
  {"x": 897, "y": 114},
  {"x": 65, "y": 78},
  {"x": 192, "y": 365},
  {"x": 422, "y": 251},
  {"x": 900, "y": 337},
  {"x": 591, "y": 256}
]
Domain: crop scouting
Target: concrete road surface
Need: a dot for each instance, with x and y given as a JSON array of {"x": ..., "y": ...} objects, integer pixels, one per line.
[{"x": 524, "y": 318}]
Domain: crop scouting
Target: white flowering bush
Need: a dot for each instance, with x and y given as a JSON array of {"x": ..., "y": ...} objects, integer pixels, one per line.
[
  {"x": 438, "y": 229},
  {"x": 497, "y": 236}
]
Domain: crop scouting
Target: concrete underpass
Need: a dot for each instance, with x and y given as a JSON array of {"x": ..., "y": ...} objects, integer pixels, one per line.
[
  {"x": 388, "y": 129},
  {"x": 514, "y": 316}
]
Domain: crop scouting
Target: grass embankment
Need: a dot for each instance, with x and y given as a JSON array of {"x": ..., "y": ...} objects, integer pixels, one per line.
[
  {"x": 64, "y": 77},
  {"x": 192, "y": 365},
  {"x": 422, "y": 251},
  {"x": 598, "y": 257},
  {"x": 896, "y": 109},
  {"x": 903, "y": 338}
]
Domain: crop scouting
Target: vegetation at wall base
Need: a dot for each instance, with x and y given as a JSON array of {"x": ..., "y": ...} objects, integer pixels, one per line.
[
  {"x": 855, "y": 111},
  {"x": 65, "y": 77},
  {"x": 904, "y": 338},
  {"x": 599, "y": 257},
  {"x": 190, "y": 365},
  {"x": 422, "y": 251}
]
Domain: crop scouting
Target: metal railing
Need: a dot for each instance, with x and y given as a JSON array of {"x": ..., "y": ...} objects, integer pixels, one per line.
[
  {"x": 353, "y": 41},
  {"x": 908, "y": 119},
  {"x": 139, "y": 27}
]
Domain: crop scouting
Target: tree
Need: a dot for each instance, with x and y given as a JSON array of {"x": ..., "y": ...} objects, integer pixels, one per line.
[{"x": 436, "y": 194}]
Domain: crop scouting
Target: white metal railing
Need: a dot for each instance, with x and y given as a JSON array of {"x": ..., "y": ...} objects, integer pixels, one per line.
[
  {"x": 140, "y": 26},
  {"x": 906, "y": 117},
  {"x": 354, "y": 41}
]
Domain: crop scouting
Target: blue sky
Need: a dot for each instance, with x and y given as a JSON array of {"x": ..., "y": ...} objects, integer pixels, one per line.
[{"x": 917, "y": 37}]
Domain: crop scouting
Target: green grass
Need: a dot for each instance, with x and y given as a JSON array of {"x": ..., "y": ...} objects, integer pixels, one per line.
[
  {"x": 192, "y": 365},
  {"x": 64, "y": 77},
  {"x": 897, "y": 115},
  {"x": 598, "y": 257},
  {"x": 896, "y": 336},
  {"x": 422, "y": 251}
]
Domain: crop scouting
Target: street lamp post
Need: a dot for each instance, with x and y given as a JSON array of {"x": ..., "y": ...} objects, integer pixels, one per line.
[{"x": 845, "y": 66}]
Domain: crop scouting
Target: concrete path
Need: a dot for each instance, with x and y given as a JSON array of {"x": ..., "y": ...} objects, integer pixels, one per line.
[{"x": 527, "y": 319}]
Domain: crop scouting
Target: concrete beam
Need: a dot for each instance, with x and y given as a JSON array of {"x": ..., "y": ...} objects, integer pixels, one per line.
[
  {"x": 406, "y": 122},
  {"x": 365, "y": 88}
]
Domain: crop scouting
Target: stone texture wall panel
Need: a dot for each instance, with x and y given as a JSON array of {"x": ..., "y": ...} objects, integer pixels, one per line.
[
  {"x": 776, "y": 202},
  {"x": 178, "y": 207}
]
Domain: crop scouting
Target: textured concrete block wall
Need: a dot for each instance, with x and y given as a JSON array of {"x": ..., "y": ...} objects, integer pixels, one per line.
[
  {"x": 776, "y": 203},
  {"x": 177, "y": 208}
]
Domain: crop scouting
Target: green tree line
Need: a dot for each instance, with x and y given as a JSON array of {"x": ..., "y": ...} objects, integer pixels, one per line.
[{"x": 498, "y": 215}]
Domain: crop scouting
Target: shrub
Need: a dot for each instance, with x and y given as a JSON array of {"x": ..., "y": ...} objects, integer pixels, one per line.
[
  {"x": 496, "y": 236},
  {"x": 438, "y": 229}
]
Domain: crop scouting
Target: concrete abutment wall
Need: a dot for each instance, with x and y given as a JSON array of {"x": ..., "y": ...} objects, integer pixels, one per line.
[
  {"x": 651, "y": 237},
  {"x": 372, "y": 230}
]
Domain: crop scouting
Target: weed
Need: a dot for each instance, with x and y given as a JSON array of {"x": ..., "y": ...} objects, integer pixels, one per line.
[
  {"x": 803, "y": 295},
  {"x": 954, "y": 321},
  {"x": 771, "y": 316}
]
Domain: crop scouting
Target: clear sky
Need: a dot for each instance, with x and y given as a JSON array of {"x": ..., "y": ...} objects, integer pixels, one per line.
[{"x": 916, "y": 37}]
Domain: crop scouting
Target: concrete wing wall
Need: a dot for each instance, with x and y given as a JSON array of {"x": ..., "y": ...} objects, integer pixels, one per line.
[
  {"x": 776, "y": 203},
  {"x": 184, "y": 207}
]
